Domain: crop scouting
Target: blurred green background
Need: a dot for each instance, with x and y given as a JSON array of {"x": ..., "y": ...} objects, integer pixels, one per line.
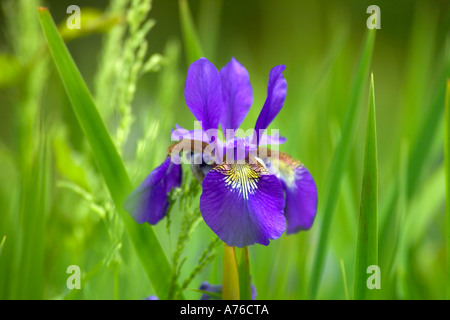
[{"x": 55, "y": 210}]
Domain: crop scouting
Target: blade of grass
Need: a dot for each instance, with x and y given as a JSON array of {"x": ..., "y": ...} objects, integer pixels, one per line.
[
  {"x": 367, "y": 247},
  {"x": 34, "y": 209},
  {"x": 209, "y": 25},
  {"x": 192, "y": 44},
  {"x": 419, "y": 155},
  {"x": 340, "y": 159},
  {"x": 344, "y": 280},
  {"x": 2, "y": 244},
  {"x": 428, "y": 200},
  {"x": 447, "y": 180},
  {"x": 245, "y": 291},
  {"x": 142, "y": 236},
  {"x": 400, "y": 258},
  {"x": 230, "y": 283}
]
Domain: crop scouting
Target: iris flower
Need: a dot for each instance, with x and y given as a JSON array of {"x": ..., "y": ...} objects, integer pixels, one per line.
[{"x": 250, "y": 193}]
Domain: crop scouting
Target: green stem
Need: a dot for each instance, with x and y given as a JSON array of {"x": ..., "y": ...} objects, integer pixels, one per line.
[
  {"x": 244, "y": 276},
  {"x": 447, "y": 179},
  {"x": 230, "y": 283}
]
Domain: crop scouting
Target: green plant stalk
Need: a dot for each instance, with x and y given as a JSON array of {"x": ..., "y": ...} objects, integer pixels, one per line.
[
  {"x": 230, "y": 283},
  {"x": 143, "y": 238},
  {"x": 344, "y": 280},
  {"x": 245, "y": 290},
  {"x": 418, "y": 156},
  {"x": 2, "y": 243},
  {"x": 367, "y": 246},
  {"x": 400, "y": 258},
  {"x": 34, "y": 209},
  {"x": 192, "y": 44},
  {"x": 447, "y": 180},
  {"x": 340, "y": 160}
]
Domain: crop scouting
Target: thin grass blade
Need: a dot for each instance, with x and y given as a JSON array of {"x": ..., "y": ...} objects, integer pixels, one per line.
[
  {"x": 245, "y": 291},
  {"x": 367, "y": 247},
  {"x": 400, "y": 263},
  {"x": 340, "y": 159},
  {"x": 142, "y": 236},
  {"x": 2, "y": 244},
  {"x": 447, "y": 180},
  {"x": 192, "y": 44},
  {"x": 344, "y": 279}
]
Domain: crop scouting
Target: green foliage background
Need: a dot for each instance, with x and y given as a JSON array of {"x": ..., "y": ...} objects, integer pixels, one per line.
[{"x": 55, "y": 209}]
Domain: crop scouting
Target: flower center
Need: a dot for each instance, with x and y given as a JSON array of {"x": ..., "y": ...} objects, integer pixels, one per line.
[{"x": 241, "y": 178}]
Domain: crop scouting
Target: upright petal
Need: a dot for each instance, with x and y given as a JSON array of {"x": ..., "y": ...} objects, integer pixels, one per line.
[
  {"x": 276, "y": 93},
  {"x": 149, "y": 202},
  {"x": 243, "y": 204},
  {"x": 203, "y": 93},
  {"x": 237, "y": 95},
  {"x": 300, "y": 190}
]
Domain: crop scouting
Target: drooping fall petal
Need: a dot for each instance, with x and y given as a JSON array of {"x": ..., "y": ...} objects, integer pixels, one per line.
[{"x": 243, "y": 204}]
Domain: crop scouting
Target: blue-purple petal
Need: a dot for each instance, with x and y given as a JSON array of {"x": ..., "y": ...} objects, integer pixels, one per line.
[
  {"x": 150, "y": 201},
  {"x": 301, "y": 201},
  {"x": 205, "y": 286},
  {"x": 237, "y": 95},
  {"x": 276, "y": 94},
  {"x": 300, "y": 190},
  {"x": 243, "y": 204},
  {"x": 203, "y": 93}
]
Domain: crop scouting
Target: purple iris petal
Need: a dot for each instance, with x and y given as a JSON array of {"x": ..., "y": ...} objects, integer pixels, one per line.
[
  {"x": 237, "y": 95},
  {"x": 149, "y": 202},
  {"x": 268, "y": 140},
  {"x": 203, "y": 93},
  {"x": 243, "y": 204},
  {"x": 205, "y": 286},
  {"x": 300, "y": 190},
  {"x": 276, "y": 93},
  {"x": 197, "y": 134},
  {"x": 264, "y": 140}
]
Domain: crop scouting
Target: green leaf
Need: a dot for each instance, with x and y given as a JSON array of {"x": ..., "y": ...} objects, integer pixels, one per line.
[
  {"x": 367, "y": 246},
  {"x": 2, "y": 244},
  {"x": 33, "y": 211},
  {"x": 340, "y": 160},
  {"x": 344, "y": 280},
  {"x": 245, "y": 290},
  {"x": 447, "y": 180},
  {"x": 399, "y": 265},
  {"x": 192, "y": 44},
  {"x": 230, "y": 283},
  {"x": 143, "y": 238}
]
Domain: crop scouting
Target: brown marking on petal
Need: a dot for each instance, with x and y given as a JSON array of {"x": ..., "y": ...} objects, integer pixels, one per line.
[
  {"x": 264, "y": 153},
  {"x": 188, "y": 145}
]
